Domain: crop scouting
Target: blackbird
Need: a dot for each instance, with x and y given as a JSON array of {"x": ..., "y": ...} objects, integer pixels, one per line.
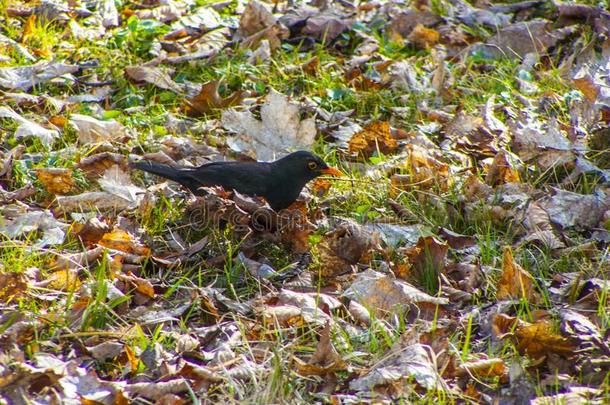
[{"x": 279, "y": 182}]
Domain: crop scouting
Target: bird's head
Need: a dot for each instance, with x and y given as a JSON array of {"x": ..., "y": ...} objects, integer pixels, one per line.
[{"x": 305, "y": 166}]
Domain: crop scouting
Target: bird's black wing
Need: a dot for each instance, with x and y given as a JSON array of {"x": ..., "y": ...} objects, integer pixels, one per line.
[{"x": 245, "y": 177}]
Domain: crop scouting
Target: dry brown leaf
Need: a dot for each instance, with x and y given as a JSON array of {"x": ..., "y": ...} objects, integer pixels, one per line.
[
  {"x": 142, "y": 285},
  {"x": 587, "y": 86},
  {"x": 384, "y": 294},
  {"x": 402, "y": 364},
  {"x": 515, "y": 282},
  {"x": 344, "y": 247},
  {"x": 474, "y": 189},
  {"x": 12, "y": 285},
  {"x": 457, "y": 241},
  {"x": 271, "y": 35},
  {"x": 535, "y": 340},
  {"x": 427, "y": 258},
  {"x": 375, "y": 136},
  {"x": 423, "y": 171},
  {"x": 56, "y": 180},
  {"x": 325, "y": 360},
  {"x": 361, "y": 82},
  {"x": 501, "y": 171},
  {"x": 423, "y": 37},
  {"x": 310, "y": 66},
  {"x": 208, "y": 100},
  {"x": 255, "y": 18},
  {"x": 77, "y": 260},
  {"x": 96, "y": 165},
  {"x": 280, "y": 128},
  {"x": 58, "y": 120},
  {"x": 154, "y": 75},
  {"x": 482, "y": 135},
  {"x": 282, "y": 315},
  {"x": 29, "y": 28},
  {"x": 91, "y": 231},
  {"x": 91, "y": 130}
]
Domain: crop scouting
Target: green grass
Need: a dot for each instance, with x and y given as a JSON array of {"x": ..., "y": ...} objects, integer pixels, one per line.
[{"x": 144, "y": 110}]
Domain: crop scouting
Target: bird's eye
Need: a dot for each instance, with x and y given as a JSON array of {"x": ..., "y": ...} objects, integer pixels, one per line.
[{"x": 312, "y": 165}]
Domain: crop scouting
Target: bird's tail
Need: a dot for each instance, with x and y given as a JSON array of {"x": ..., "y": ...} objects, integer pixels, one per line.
[{"x": 159, "y": 169}]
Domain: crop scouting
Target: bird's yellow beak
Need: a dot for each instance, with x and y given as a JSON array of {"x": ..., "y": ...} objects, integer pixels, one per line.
[{"x": 331, "y": 171}]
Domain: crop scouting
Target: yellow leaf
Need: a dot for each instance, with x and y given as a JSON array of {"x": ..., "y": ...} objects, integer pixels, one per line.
[
  {"x": 29, "y": 28},
  {"x": 64, "y": 280},
  {"x": 121, "y": 240},
  {"x": 56, "y": 180}
]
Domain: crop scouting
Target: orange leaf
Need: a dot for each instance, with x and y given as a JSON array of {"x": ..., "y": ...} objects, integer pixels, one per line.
[
  {"x": 375, "y": 136},
  {"x": 121, "y": 240},
  {"x": 423, "y": 37},
  {"x": 535, "y": 340},
  {"x": 500, "y": 171},
  {"x": 56, "y": 180},
  {"x": 515, "y": 282}
]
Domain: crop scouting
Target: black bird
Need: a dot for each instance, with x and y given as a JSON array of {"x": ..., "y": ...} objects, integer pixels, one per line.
[{"x": 279, "y": 182}]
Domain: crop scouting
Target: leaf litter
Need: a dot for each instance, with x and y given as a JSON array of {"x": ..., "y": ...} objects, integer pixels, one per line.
[{"x": 464, "y": 259}]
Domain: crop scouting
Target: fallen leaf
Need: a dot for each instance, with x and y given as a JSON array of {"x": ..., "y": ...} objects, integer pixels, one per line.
[
  {"x": 501, "y": 171},
  {"x": 96, "y": 165},
  {"x": 279, "y": 130},
  {"x": 423, "y": 171},
  {"x": 153, "y": 75},
  {"x": 399, "y": 367},
  {"x": 12, "y": 285},
  {"x": 375, "y": 137},
  {"x": 64, "y": 280},
  {"x": 256, "y": 269},
  {"x": 423, "y": 37},
  {"x": 26, "y": 77},
  {"x": 29, "y": 128},
  {"x": 344, "y": 247},
  {"x": 521, "y": 38},
  {"x": 53, "y": 231},
  {"x": 484, "y": 368},
  {"x": 208, "y": 100},
  {"x": 515, "y": 282},
  {"x": 123, "y": 241},
  {"x": 142, "y": 285},
  {"x": 56, "y": 180},
  {"x": 404, "y": 21},
  {"x": 255, "y": 18},
  {"x": 427, "y": 258},
  {"x": 539, "y": 227},
  {"x": 322, "y": 25},
  {"x": 569, "y": 209},
  {"x": 325, "y": 359},
  {"x": 384, "y": 295},
  {"x": 477, "y": 135},
  {"x": 535, "y": 340},
  {"x": 92, "y": 130}
]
